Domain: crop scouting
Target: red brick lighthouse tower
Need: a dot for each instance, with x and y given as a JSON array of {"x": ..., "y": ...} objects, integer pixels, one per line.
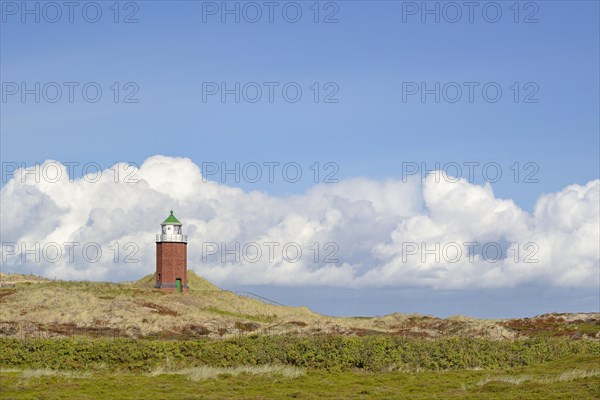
[{"x": 171, "y": 257}]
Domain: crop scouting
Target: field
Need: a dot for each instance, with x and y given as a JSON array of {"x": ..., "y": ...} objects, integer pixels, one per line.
[
  {"x": 83, "y": 340},
  {"x": 276, "y": 367},
  {"x": 571, "y": 378}
]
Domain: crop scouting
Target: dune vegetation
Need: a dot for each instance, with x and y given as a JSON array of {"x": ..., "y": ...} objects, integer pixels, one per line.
[{"x": 91, "y": 340}]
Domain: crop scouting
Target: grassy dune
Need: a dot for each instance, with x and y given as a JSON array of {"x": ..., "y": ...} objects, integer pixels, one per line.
[
  {"x": 90, "y": 340},
  {"x": 34, "y": 307}
]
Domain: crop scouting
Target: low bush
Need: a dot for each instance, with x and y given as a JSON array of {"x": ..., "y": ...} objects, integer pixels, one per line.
[{"x": 332, "y": 353}]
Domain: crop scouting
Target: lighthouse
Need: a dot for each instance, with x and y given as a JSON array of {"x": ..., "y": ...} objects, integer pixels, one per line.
[{"x": 171, "y": 257}]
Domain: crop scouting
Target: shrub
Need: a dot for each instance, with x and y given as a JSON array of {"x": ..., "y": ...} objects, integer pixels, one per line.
[{"x": 333, "y": 353}]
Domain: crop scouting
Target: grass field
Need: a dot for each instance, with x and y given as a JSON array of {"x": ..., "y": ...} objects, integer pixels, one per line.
[
  {"x": 571, "y": 378},
  {"x": 89, "y": 340},
  {"x": 327, "y": 367}
]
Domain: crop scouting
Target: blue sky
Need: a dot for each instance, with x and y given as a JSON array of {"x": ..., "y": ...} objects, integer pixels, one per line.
[{"x": 367, "y": 57}]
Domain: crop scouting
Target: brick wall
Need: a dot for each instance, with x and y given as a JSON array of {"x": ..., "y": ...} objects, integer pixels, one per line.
[{"x": 171, "y": 263}]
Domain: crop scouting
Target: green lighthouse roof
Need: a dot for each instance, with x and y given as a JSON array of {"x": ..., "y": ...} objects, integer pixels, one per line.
[{"x": 171, "y": 220}]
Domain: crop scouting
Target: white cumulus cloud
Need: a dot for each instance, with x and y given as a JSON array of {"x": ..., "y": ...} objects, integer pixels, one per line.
[{"x": 441, "y": 233}]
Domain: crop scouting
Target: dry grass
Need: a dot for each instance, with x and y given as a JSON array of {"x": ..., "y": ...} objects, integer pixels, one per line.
[
  {"x": 8, "y": 370},
  {"x": 14, "y": 278},
  {"x": 205, "y": 372},
  {"x": 38, "y": 373},
  {"x": 135, "y": 309},
  {"x": 567, "y": 376}
]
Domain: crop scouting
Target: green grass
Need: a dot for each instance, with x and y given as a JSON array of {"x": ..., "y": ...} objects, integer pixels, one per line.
[
  {"x": 586, "y": 328},
  {"x": 569, "y": 378},
  {"x": 304, "y": 367}
]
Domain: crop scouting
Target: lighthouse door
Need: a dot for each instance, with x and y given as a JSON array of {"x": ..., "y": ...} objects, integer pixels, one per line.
[{"x": 178, "y": 284}]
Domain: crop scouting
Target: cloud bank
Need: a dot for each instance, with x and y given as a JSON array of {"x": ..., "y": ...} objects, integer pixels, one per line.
[{"x": 358, "y": 233}]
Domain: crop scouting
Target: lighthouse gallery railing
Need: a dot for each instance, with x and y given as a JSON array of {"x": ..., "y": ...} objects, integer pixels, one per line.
[{"x": 171, "y": 238}]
